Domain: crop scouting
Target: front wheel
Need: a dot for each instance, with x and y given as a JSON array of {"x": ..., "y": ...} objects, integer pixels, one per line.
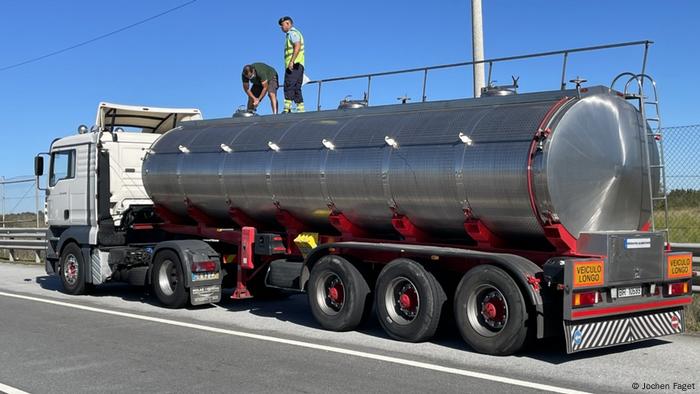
[
  {"x": 169, "y": 280},
  {"x": 338, "y": 294},
  {"x": 490, "y": 311},
  {"x": 73, "y": 270}
]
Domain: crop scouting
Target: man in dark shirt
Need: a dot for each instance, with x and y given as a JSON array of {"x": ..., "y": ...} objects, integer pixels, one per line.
[{"x": 264, "y": 80}]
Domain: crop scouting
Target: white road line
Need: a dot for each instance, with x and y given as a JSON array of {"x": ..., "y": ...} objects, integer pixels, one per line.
[
  {"x": 308, "y": 345},
  {"x": 10, "y": 390}
]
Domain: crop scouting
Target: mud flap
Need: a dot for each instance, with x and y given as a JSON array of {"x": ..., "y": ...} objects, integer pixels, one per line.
[
  {"x": 599, "y": 333},
  {"x": 205, "y": 294}
]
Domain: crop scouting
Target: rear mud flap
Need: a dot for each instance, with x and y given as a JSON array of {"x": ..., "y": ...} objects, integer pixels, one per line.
[
  {"x": 206, "y": 294},
  {"x": 600, "y": 333}
]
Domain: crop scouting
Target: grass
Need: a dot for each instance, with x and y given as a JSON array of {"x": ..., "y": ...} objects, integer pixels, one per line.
[
  {"x": 683, "y": 224},
  {"x": 692, "y": 315},
  {"x": 683, "y": 215}
]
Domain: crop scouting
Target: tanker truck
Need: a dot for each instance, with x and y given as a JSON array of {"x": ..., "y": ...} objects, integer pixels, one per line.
[{"x": 519, "y": 216}]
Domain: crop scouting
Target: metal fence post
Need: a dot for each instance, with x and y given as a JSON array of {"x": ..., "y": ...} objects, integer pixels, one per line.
[
  {"x": 425, "y": 80},
  {"x": 563, "y": 71},
  {"x": 369, "y": 84},
  {"x": 2, "y": 179}
]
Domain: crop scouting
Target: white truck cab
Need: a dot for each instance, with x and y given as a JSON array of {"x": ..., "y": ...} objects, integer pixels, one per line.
[{"x": 94, "y": 176}]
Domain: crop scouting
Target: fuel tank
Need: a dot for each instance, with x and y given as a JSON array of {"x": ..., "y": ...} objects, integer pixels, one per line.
[{"x": 514, "y": 162}]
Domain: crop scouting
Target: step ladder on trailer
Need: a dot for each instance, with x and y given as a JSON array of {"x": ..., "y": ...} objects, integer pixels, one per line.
[{"x": 642, "y": 101}]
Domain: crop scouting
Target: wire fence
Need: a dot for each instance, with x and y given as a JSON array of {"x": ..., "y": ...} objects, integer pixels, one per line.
[
  {"x": 681, "y": 150},
  {"x": 21, "y": 203}
]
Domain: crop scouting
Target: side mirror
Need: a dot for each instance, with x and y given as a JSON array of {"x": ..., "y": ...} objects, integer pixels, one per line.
[
  {"x": 39, "y": 170},
  {"x": 38, "y": 165}
]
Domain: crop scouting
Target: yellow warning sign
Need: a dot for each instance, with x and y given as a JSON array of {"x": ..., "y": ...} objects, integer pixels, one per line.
[
  {"x": 680, "y": 266},
  {"x": 588, "y": 273}
]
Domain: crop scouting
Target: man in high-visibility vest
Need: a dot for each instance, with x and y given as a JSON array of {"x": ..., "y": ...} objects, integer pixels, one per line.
[{"x": 294, "y": 65}]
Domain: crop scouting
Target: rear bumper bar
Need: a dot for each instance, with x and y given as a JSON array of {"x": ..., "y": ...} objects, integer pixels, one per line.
[
  {"x": 631, "y": 308},
  {"x": 604, "y": 332}
]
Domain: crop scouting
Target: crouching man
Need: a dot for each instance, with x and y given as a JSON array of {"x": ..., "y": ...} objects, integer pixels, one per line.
[{"x": 260, "y": 79}]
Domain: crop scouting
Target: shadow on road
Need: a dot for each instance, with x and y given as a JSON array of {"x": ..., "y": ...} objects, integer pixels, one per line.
[
  {"x": 120, "y": 290},
  {"x": 294, "y": 308},
  {"x": 555, "y": 353}
]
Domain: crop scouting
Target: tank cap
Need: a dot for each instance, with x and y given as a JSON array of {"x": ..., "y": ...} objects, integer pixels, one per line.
[
  {"x": 493, "y": 90},
  {"x": 346, "y": 103},
  {"x": 243, "y": 112}
]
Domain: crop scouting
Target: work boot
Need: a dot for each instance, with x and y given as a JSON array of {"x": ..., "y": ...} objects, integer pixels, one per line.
[{"x": 300, "y": 107}]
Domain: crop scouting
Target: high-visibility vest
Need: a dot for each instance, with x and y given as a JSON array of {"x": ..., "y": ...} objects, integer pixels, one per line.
[{"x": 289, "y": 49}]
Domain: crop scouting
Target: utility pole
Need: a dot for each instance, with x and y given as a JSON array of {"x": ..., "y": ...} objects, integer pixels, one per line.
[
  {"x": 36, "y": 200},
  {"x": 2, "y": 180},
  {"x": 477, "y": 47}
]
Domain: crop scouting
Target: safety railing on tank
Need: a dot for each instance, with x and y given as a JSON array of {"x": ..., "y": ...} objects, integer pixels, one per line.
[{"x": 490, "y": 62}]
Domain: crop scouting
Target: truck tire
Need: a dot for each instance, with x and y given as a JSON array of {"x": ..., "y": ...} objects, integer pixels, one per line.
[
  {"x": 409, "y": 301},
  {"x": 73, "y": 270},
  {"x": 490, "y": 311},
  {"x": 169, "y": 280},
  {"x": 339, "y": 295}
]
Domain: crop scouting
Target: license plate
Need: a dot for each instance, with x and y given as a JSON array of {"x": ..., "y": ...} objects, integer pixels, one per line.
[{"x": 629, "y": 291}]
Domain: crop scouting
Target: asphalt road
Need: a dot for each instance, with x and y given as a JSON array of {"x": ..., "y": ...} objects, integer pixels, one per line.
[{"x": 119, "y": 340}]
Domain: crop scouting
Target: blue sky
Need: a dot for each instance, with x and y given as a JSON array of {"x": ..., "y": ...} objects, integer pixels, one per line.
[{"x": 192, "y": 57}]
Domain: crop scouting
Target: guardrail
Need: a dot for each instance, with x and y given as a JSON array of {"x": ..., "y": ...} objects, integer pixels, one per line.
[
  {"x": 692, "y": 248},
  {"x": 13, "y": 239}
]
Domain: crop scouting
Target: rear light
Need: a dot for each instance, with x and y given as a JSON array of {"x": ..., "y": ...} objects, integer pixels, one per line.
[
  {"x": 654, "y": 289},
  {"x": 586, "y": 298},
  {"x": 678, "y": 288},
  {"x": 204, "y": 266}
]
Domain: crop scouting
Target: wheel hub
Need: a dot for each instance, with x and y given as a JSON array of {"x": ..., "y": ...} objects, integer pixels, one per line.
[
  {"x": 335, "y": 293},
  {"x": 493, "y": 310},
  {"x": 167, "y": 278},
  {"x": 490, "y": 310},
  {"x": 70, "y": 272},
  {"x": 407, "y": 299},
  {"x": 403, "y": 301}
]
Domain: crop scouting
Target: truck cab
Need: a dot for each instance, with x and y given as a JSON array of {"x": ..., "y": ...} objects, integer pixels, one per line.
[{"x": 94, "y": 182}]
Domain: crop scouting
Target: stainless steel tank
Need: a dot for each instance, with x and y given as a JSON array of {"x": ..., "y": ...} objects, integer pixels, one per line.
[{"x": 475, "y": 155}]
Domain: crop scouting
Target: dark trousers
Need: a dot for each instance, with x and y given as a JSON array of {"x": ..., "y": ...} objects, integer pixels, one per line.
[{"x": 292, "y": 83}]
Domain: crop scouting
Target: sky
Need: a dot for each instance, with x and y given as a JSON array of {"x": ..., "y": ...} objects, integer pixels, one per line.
[{"x": 192, "y": 57}]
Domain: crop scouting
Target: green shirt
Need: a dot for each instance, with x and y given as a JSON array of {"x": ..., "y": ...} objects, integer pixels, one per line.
[{"x": 263, "y": 73}]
